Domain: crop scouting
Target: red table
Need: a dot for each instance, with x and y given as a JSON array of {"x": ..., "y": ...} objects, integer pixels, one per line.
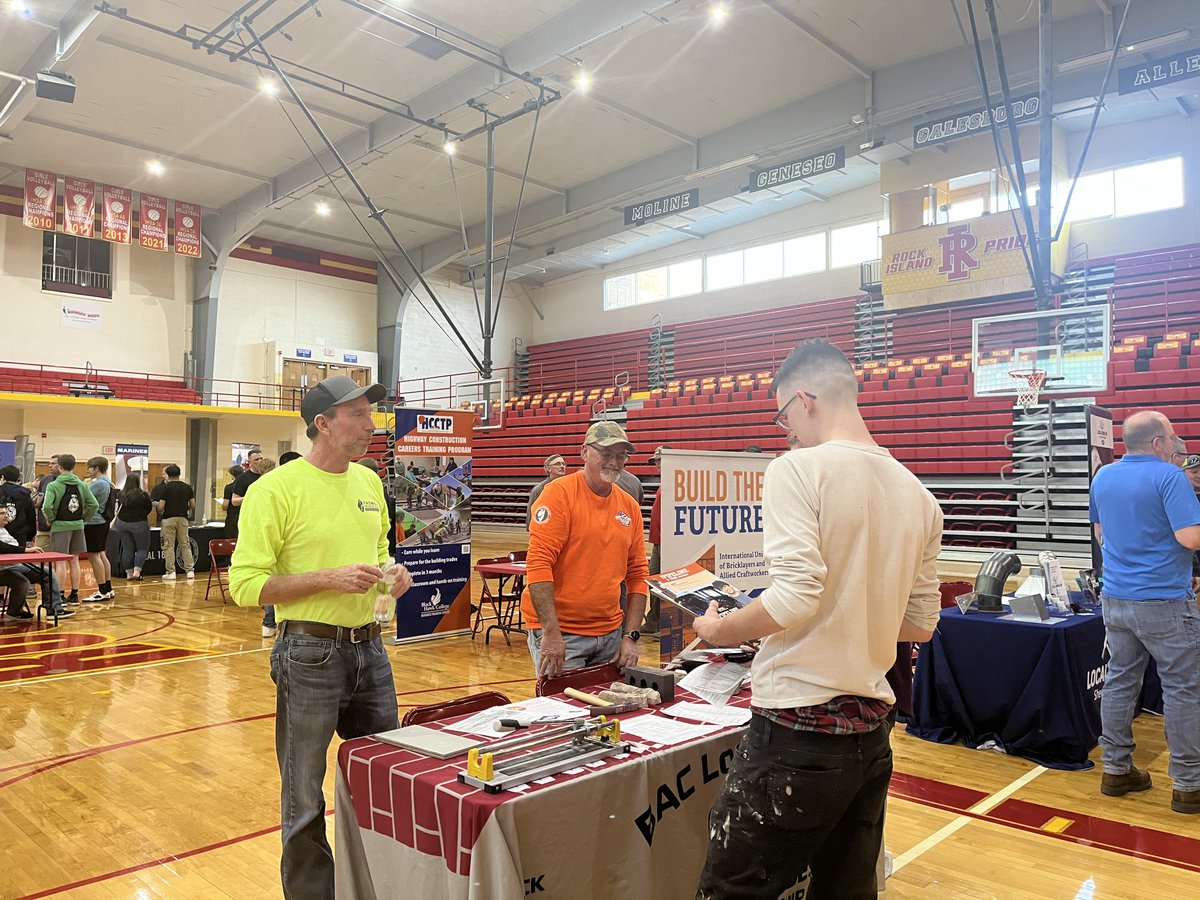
[
  {"x": 629, "y": 826},
  {"x": 508, "y": 610},
  {"x": 43, "y": 561}
]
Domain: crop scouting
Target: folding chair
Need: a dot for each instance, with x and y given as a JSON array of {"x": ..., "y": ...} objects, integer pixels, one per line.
[
  {"x": 432, "y": 712},
  {"x": 501, "y": 602},
  {"x": 591, "y": 676},
  {"x": 218, "y": 548}
]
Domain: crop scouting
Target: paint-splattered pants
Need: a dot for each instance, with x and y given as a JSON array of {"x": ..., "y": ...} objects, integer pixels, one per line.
[{"x": 800, "y": 816}]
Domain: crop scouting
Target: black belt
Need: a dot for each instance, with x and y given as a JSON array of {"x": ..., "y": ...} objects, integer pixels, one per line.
[{"x": 333, "y": 632}]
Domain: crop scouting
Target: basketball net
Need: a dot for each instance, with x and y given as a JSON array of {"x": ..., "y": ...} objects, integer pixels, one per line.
[{"x": 1029, "y": 386}]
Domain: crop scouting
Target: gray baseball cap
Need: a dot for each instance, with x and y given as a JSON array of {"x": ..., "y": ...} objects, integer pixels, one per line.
[{"x": 334, "y": 391}]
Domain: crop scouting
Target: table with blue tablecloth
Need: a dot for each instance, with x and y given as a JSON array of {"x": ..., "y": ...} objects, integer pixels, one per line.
[{"x": 1032, "y": 688}]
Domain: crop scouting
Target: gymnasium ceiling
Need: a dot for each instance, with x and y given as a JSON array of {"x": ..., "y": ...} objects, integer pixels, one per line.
[{"x": 673, "y": 94}]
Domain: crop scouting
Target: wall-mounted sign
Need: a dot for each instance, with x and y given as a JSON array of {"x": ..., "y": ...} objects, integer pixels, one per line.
[
  {"x": 640, "y": 213},
  {"x": 949, "y": 127},
  {"x": 350, "y": 357},
  {"x": 41, "y": 195},
  {"x": 1145, "y": 76},
  {"x": 796, "y": 169},
  {"x": 303, "y": 354}
]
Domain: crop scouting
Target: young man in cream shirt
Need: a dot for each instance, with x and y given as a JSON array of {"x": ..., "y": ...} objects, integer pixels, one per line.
[{"x": 851, "y": 539}]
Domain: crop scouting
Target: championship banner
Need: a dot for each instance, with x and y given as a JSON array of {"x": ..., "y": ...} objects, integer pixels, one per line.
[
  {"x": 116, "y": 218},
  {"x": 711, "y": 515},
  {"x": 432, "y": 493},
  {"x": 187, "y": 229},
  {"x": 41, "y": 197},
  {"x": 79, "y": 207},
  {"x": 152, "y": 222},
  {"x": 958, "y": 261},
  {"x": 131, "y": 458}
]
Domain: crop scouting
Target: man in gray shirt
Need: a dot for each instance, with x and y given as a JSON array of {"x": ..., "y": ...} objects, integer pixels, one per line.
[{"x": 555, "y": 467}]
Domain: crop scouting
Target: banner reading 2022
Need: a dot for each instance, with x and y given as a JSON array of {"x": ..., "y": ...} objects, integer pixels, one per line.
[
  {"x": 432, "y": 485},
  {"x": 711, "y": 515}
]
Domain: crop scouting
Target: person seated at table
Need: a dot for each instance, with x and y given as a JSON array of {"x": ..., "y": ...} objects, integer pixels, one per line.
[
  {"x": 1146, "y": 518},
  {"x": 554, "y": 467},
  {"x": 585, "y": 540},
  {"x": 19, "y": 578}
]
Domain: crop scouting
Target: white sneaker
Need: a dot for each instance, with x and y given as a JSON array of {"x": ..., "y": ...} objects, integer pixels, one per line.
[
  {"x": 269, "y": 631},
  {"x": 170, "y": 576},
  {"x": 110, "y": 595},
  {"x": 191, "y": 576},
  {"x": 97, "y": 597}
]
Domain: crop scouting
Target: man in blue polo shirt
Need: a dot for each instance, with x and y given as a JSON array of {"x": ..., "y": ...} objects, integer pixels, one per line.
[{"x": 1147, "y": 518}]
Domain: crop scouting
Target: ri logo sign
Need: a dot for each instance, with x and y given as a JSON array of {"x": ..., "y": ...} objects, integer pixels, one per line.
[
  {"x": 958, "y": 253},
  {"x": 435, "y": 424}
]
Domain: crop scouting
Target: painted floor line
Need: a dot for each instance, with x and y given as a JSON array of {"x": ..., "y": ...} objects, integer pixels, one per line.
[
  {"x": 170, "y": 662},
  {"x": 981, "y": 808}
]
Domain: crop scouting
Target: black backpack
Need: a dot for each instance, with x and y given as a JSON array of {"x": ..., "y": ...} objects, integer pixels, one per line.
[
  {"x": 70, "y": 505},
  {"x": 110, "y": 505}
]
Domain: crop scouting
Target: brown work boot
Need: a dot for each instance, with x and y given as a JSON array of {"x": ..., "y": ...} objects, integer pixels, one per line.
[
  {"x": 1185, "y": 801},
  {"x": 1134, "y": 780}
]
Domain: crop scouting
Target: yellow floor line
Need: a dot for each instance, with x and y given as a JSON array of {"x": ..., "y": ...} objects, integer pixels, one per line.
[{"x": 119, "y": 670}]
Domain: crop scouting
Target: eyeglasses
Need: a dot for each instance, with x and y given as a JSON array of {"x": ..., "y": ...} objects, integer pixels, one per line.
[
  {"x": 614, "y": 455},
  {"x": 781, "y": 417}
]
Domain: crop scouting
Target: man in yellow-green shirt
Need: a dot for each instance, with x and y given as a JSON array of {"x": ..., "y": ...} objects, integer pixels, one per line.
[{"x": 313, "y": 542}]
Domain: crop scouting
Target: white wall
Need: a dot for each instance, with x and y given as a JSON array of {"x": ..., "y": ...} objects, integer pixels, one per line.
[
  {"x": 144, "y": 328},
  {"x": 86, "y": 430},
  {"x": 259, "y": 303},
  {"x": 574, "y": 306}
]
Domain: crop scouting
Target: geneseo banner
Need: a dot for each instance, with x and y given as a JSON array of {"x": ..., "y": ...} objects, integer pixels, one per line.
[
  {"x": 152, "y": 222},
  {"x": 949, "y": 127},
  {"x": 640, "y": 213},
  {"x": 805, "y": 167},
  {"x": 79, "y": 207},
  {"x": 432, "y": 464},
  {"x": 959, "y": 261},
  {"x": 1145, "y": 76},
  {"x": 116, "y": 219},
  {"x": 187, "y": 229},
  {"x": 41, "y": 195}
]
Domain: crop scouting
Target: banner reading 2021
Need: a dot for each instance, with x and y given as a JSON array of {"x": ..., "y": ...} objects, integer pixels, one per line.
[
  {"x": 711, "y": 515},
  {"x": 432, "y": 485}
]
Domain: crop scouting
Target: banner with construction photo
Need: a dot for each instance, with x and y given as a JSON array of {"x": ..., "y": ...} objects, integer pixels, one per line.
[{"x": 711, "y": 515}]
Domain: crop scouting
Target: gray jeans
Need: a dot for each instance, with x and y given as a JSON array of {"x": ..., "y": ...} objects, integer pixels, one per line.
[
  {"x": 1168, "y": 631},
  {"x": 582, "y": 649}
]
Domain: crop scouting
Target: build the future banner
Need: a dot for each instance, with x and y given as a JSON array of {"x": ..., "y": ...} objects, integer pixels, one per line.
[{"x": 432, "y": 492}]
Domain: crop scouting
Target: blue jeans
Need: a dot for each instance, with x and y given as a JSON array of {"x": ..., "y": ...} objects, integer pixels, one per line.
[
  {"x": 1168, "y": 631},
  {"x": 322, "y": 686},
  {"x": 268, "y": 617},
  {"x": 44, "y": 578},
  {"x": 134, "y": 542},
  {"x": 582, "y": 649}
]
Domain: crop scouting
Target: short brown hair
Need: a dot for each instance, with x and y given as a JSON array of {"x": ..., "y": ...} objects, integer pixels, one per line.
[
  {"x": 99, "y": 463},
  {"x": 66, "y": 461}
]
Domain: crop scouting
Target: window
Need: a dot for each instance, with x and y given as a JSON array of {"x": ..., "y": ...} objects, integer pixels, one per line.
[
  {"x": 804, "y": 254},
  {"x": 851, "y": 245},
  {"x": 74, "y": 265},
  {"x": 764, "y": 263},
  {"x": 1093, "y": 197},
  {"x": 724, "y": 271},
  {"x": 961, "y": 210},
  {"x": 651, "y": 285},
  {"x": 687, "y": 278},
  {"x": 1149, "y": 187}
]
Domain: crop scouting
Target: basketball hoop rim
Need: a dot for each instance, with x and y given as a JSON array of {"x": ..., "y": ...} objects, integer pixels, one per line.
[{"x": 1030, "y": 375}]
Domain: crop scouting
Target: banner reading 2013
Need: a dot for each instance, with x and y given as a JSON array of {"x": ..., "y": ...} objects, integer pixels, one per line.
[{"x": 432, "y": 488}]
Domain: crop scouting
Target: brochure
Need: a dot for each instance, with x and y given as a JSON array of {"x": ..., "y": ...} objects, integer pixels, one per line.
[{"x": 693, "y": 587}]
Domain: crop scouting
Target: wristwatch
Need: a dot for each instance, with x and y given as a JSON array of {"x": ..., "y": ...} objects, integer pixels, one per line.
[{"x": 635, "y": 635}]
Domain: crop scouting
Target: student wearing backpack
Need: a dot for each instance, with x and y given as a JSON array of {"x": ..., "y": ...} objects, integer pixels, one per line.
[
  {"x": 68, "y": 505},
  {"x": 16, "y": 498},
  {"x": 95, "y": 530}
]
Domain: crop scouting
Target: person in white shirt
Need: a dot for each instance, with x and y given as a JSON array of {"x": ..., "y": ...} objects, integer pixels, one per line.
[{"x": 851, "y": 539}]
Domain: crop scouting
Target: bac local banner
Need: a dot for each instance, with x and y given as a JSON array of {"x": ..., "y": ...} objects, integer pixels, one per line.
[
  {"x": 432, "y": 492},
  {"x": 711, "y": 514},
  {"x": 958, "y": 261},
  {"x": 131, "y": 458}
]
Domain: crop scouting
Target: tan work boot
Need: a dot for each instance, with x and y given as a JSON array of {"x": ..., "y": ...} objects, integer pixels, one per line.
[
  {"x": 1185, "y": 801},
  {"x": 1134, "y": 780}
]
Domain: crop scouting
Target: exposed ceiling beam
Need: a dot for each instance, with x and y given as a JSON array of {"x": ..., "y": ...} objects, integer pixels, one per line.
[
  {"x": 813, "y": 35},
  {"x": 598, "y": 99},
  {"x": 459, "y": 156}
]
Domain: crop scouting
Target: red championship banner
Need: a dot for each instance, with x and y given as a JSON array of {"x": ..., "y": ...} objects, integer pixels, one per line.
[
  {"x": 116, "y": 222},
  {"x": 187, "y": 229},
  {"x": 41, "y": 196},
  {"x": 79, "y": 207},
  {"x": 152, "y": 222}
]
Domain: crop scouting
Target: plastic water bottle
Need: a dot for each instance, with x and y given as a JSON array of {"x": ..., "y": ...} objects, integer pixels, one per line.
[{"x": 385, "y": 603}]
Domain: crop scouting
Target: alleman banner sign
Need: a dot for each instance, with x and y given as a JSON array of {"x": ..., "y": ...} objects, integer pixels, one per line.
[
  {"x": 1167, "y": 70},
  {"x": 958, "y": 261}
]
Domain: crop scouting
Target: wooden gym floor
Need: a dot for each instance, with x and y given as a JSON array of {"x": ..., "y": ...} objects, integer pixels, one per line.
[{"x": 138, "y": 761}]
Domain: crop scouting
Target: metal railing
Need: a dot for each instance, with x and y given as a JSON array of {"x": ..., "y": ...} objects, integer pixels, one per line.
[
  {"x": 71, "y": 276},
  {"x": 870, "y": 275}
]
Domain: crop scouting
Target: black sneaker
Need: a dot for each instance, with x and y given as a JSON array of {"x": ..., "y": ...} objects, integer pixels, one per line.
[
  {"x": 63, "y": 614},
  {"x": 19, "y": 614},
  {"x": 74, "y": 598}
]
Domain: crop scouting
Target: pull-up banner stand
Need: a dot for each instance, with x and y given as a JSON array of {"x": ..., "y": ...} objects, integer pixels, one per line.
[
  {"x": 711, "y": 515},
  {"x": 432, "y": 486},
  {"x": 1100, "y": 453}
]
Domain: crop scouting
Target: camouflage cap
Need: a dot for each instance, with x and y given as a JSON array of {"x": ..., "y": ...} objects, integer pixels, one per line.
[
  {"x": 608, "y": 434},
  {"x": 1191, "y": 462}
]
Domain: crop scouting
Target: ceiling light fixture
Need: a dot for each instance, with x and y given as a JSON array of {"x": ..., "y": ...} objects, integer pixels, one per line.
[
  {"x": 18, "y": 6},
  {"x": 1102, "y": 57},
  {"x": 1156, "y": 42},
  {"x": 154, "y": 167},
  {"x": 268, "y": 87},
  {"x": 322, "y": 208},
  {"x": 451, "y": 147},
  {"x": 721, "y": 167},
  {"x": 718, "y": 13},
  {"x": 582, "y": 82}
]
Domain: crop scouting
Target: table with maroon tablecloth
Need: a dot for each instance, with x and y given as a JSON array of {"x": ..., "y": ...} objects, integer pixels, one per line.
[{"x": 631, "y": 826}]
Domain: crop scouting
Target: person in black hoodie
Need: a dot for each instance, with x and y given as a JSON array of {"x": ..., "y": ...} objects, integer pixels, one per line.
[
  {"x": 17, "y": 578},
  {"x": 22, "y": 515}
]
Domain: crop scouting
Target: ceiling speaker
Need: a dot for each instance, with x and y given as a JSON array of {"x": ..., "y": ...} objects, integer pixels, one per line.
[{"x": 56, "y": 86}]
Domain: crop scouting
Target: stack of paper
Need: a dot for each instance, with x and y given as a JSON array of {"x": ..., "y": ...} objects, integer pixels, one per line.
[
  {"x": 715, "y": 682},
  {"x": 661, "y": 730},
  {"x": 703, "y": 712},
  {"x": 543, "y": 709}
]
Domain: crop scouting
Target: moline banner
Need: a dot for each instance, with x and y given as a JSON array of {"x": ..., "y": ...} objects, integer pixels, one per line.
[
  {"x": 432, "y": 492},
  {"x": 711, "y": 514}
]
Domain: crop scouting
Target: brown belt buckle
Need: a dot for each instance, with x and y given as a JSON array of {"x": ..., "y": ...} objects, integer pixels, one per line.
[{"x": 361, "y": 635}]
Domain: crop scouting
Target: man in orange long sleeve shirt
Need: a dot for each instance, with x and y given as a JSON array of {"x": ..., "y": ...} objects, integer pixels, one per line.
[{"x": 585, "y": 539}]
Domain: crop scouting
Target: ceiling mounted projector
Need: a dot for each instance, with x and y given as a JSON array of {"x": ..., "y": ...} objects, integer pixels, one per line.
[{"x": 56, "y": 86}]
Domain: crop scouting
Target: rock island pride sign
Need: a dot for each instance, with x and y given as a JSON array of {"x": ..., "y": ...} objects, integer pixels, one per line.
[{"x": 957, "y": 261}]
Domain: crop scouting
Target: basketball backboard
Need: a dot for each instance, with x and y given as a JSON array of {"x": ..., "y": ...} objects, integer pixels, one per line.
[
  {"x": 484, "y": 398},
  {"x": 1070, "y": 345}
]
